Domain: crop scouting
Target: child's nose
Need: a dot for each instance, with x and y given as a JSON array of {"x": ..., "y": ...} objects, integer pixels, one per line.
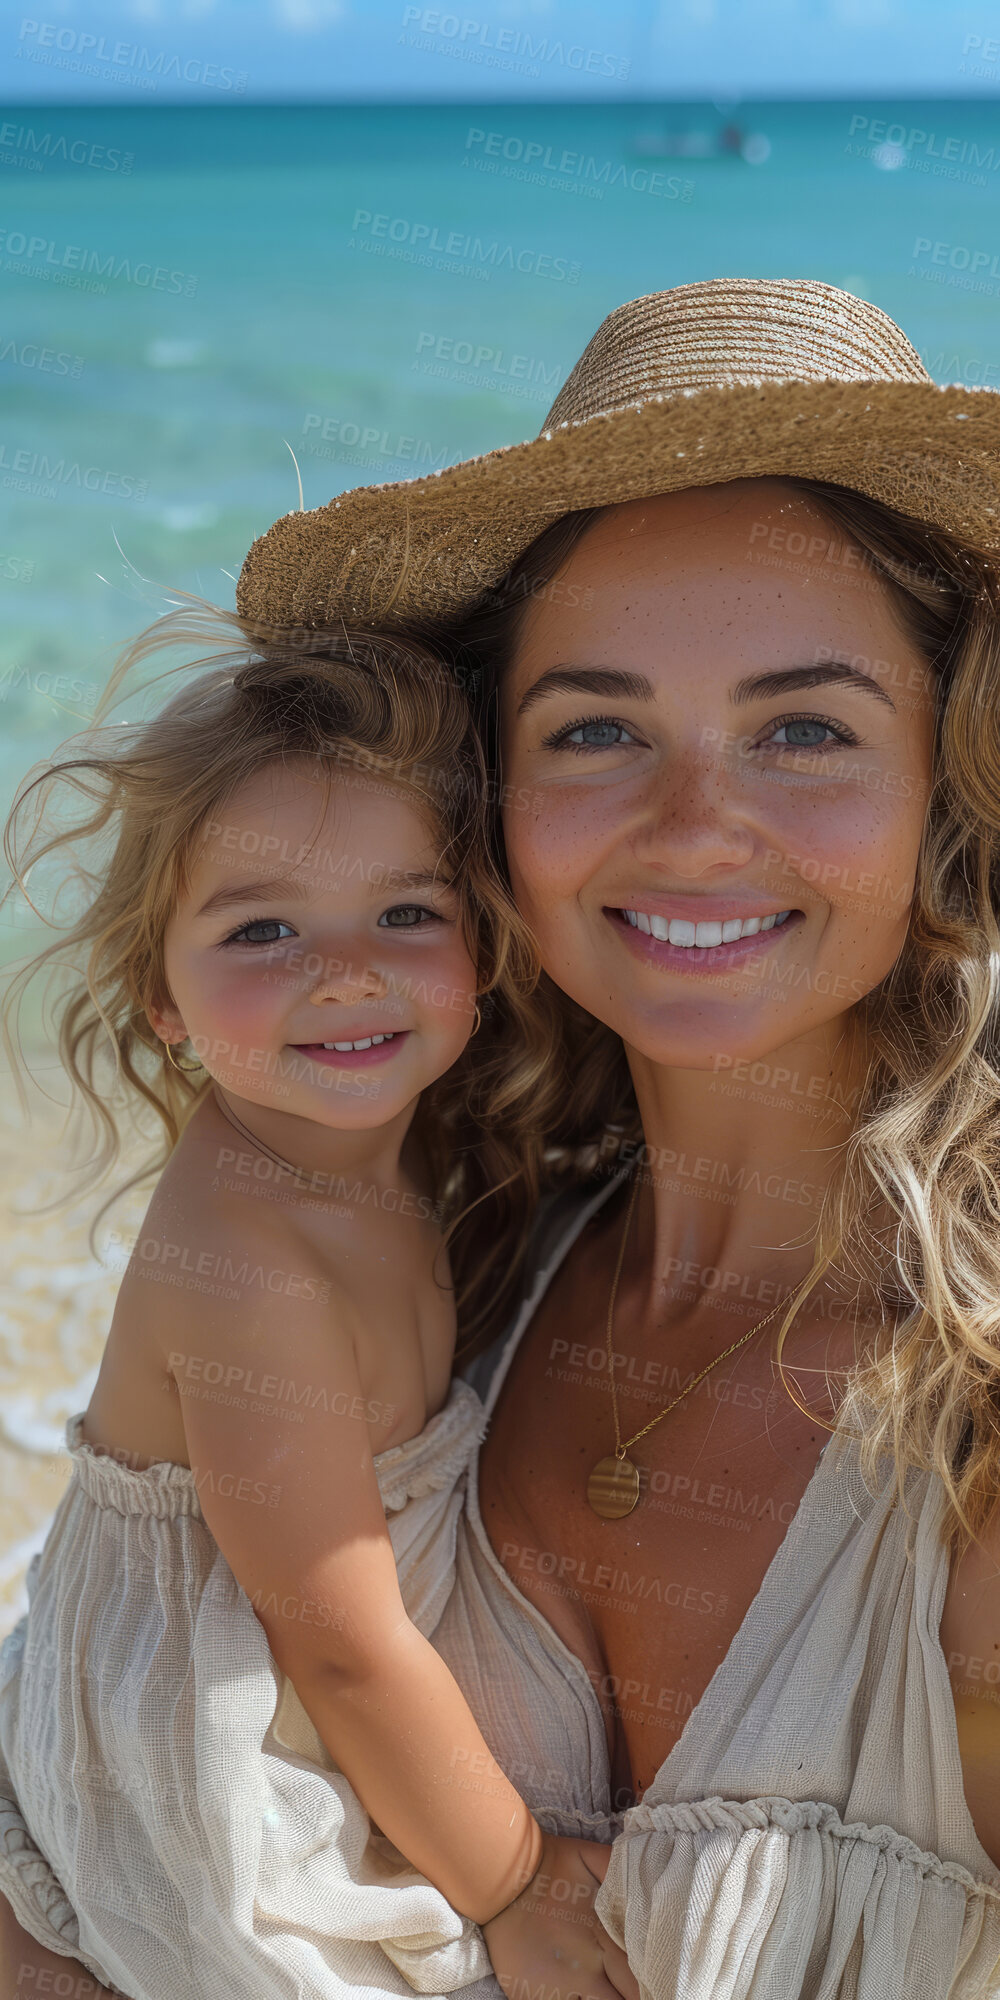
[{"x": 340, "y": 980}]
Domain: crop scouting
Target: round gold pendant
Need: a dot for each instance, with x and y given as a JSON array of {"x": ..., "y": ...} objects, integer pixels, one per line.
[{"x": 613, "y": 1487}]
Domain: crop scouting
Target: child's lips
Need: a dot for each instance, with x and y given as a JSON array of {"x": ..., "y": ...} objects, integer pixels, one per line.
[{"x": 355, "y": 1058}]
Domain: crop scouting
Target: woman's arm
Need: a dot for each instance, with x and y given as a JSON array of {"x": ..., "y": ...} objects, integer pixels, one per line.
[
  {"x": 22, "y": 1959},
  {"x": 970, "y": 1636},
  {"x": 317, "y": 1565}
]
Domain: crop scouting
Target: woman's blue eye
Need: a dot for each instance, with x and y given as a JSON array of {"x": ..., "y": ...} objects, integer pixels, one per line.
[
  {"x": 257, "y": 924},
  {"x": 406, "y": 916},
  {"x": 597, "y": 732},
  {"x": 805, "y": 732}
]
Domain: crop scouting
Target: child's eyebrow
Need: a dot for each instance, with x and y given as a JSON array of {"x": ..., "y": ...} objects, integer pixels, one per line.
[
  {"x": 409, "y": 878},
  {"x": 258, "y": 889},
  {"x": 262, "y": 888}
]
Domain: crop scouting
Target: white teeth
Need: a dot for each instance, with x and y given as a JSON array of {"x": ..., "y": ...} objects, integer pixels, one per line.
[
  {"x": 680, "y": 930},
  {"x": 348, "y": 1048}
]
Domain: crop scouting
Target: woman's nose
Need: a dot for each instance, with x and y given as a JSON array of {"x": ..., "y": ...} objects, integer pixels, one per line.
[{"x": 697, "y": 815}]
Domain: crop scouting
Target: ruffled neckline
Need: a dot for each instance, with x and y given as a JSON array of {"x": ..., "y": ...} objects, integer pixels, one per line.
[{"x": 430, "y": 1462}]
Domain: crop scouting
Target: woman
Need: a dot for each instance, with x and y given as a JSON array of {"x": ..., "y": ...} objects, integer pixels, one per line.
[{"x": 748, "y": 684}]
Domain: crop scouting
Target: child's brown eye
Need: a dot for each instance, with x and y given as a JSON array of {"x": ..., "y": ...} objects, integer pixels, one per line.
[
  {"x": 406, "y": 916},
  {"x": 256, "y": 925}
]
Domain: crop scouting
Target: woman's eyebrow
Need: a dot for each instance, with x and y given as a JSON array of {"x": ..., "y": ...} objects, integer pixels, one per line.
[
  {"x": 757, "y": 687},
  {"x": 587, "y": 680}
]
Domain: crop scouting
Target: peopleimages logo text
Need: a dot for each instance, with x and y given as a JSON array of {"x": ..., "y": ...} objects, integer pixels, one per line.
[
  {"x": 37, "y": 35},
  {"x": 69, "y": 257},
  {"x": 470, "y": 253},
  {"x": 472, "y": 36},
  {"x": 38, "y": 146}
]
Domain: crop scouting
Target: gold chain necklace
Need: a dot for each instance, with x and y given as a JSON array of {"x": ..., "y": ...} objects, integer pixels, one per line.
[
  {"x": 613, "y": 1486},
  {"x": 301, "y": 1176}
]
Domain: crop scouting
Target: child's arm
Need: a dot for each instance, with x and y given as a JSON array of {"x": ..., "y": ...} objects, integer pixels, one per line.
[{"x": 292, "y": 1500}]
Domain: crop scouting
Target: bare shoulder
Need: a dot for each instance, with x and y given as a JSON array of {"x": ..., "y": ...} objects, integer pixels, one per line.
[
  {"x": 970, "y": 1638},
  {"x": 216, "y": 1278},
  {"x": 206, "y": 1236}
]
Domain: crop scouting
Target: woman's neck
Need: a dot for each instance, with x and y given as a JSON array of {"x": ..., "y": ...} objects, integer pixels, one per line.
[{"x": 736, "y": 1161}]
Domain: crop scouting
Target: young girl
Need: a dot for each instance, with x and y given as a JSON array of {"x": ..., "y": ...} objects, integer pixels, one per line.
[{"x": 285, "y": 950}]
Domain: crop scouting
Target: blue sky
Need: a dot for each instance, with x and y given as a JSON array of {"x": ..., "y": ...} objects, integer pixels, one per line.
[{"x": 208, "y": 51}]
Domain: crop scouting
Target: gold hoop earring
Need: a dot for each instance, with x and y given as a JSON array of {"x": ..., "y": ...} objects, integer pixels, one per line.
[
  {"x": 183, "y": 1069},
  {"x": 479, "y": 1020}
]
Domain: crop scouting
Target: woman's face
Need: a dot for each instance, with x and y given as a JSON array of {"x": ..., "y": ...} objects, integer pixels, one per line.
[{"x": 713, "y": 718}]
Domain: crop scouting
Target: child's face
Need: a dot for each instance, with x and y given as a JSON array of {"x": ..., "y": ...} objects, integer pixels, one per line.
[{"x": 308, "y": 923}]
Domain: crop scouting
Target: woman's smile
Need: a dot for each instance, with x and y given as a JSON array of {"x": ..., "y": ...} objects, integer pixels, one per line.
[{"x": 694, "y": 943}]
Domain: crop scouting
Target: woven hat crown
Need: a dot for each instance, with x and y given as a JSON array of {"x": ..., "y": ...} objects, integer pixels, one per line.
[
  {"x": 732, "y": 330},
  {"x": 730, "y": 378}
]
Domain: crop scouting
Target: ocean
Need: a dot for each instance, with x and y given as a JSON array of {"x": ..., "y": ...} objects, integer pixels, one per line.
[
  {"x": 192, "y": 295},
  {"x": 190, "y": 292}
]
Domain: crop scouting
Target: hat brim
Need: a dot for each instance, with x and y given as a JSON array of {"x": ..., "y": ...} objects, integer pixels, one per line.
[{"x": 429, "y": 550}]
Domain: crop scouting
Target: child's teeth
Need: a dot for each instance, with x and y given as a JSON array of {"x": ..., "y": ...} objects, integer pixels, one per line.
[{"x": 345, "y": 1048}]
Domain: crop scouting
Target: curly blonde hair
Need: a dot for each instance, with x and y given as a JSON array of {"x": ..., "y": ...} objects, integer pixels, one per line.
[
  {"x": 139, "y": 798},
  {"x": 925, "y": 1143}
]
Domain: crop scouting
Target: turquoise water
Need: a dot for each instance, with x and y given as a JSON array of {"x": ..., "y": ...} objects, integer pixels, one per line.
[{"x": 186, "y": 289}]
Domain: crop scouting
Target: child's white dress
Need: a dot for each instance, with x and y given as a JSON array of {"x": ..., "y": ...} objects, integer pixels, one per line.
[{"x": 167, "y": 1771}]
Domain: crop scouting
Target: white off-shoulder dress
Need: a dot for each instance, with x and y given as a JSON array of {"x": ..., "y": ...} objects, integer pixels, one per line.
[
  {"x": 184, "y": 1829},
  {"x": 807, "y": 1838}
]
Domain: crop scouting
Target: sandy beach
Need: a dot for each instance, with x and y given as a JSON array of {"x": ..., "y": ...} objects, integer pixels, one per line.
[{"x": 56, "y": 1303}]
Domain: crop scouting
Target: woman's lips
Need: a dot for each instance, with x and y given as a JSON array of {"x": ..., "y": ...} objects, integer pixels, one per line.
[
  {"x": 380, "y": 1052},
  {"x": 700, "y": 959}
]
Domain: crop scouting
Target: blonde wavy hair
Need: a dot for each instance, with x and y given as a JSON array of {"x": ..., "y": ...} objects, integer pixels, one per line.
[
  {"x": 925, "y": 1145},
  {"x": 126, "y": 804}
]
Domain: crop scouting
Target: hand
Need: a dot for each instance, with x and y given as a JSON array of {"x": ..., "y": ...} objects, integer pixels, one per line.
[
  {"x": 549, "y": 1938},
  {"x": 22, "y": 1958}
]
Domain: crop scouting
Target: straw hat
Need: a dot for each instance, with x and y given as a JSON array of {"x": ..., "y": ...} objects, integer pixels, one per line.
[{"x": 734, "y": 378}]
